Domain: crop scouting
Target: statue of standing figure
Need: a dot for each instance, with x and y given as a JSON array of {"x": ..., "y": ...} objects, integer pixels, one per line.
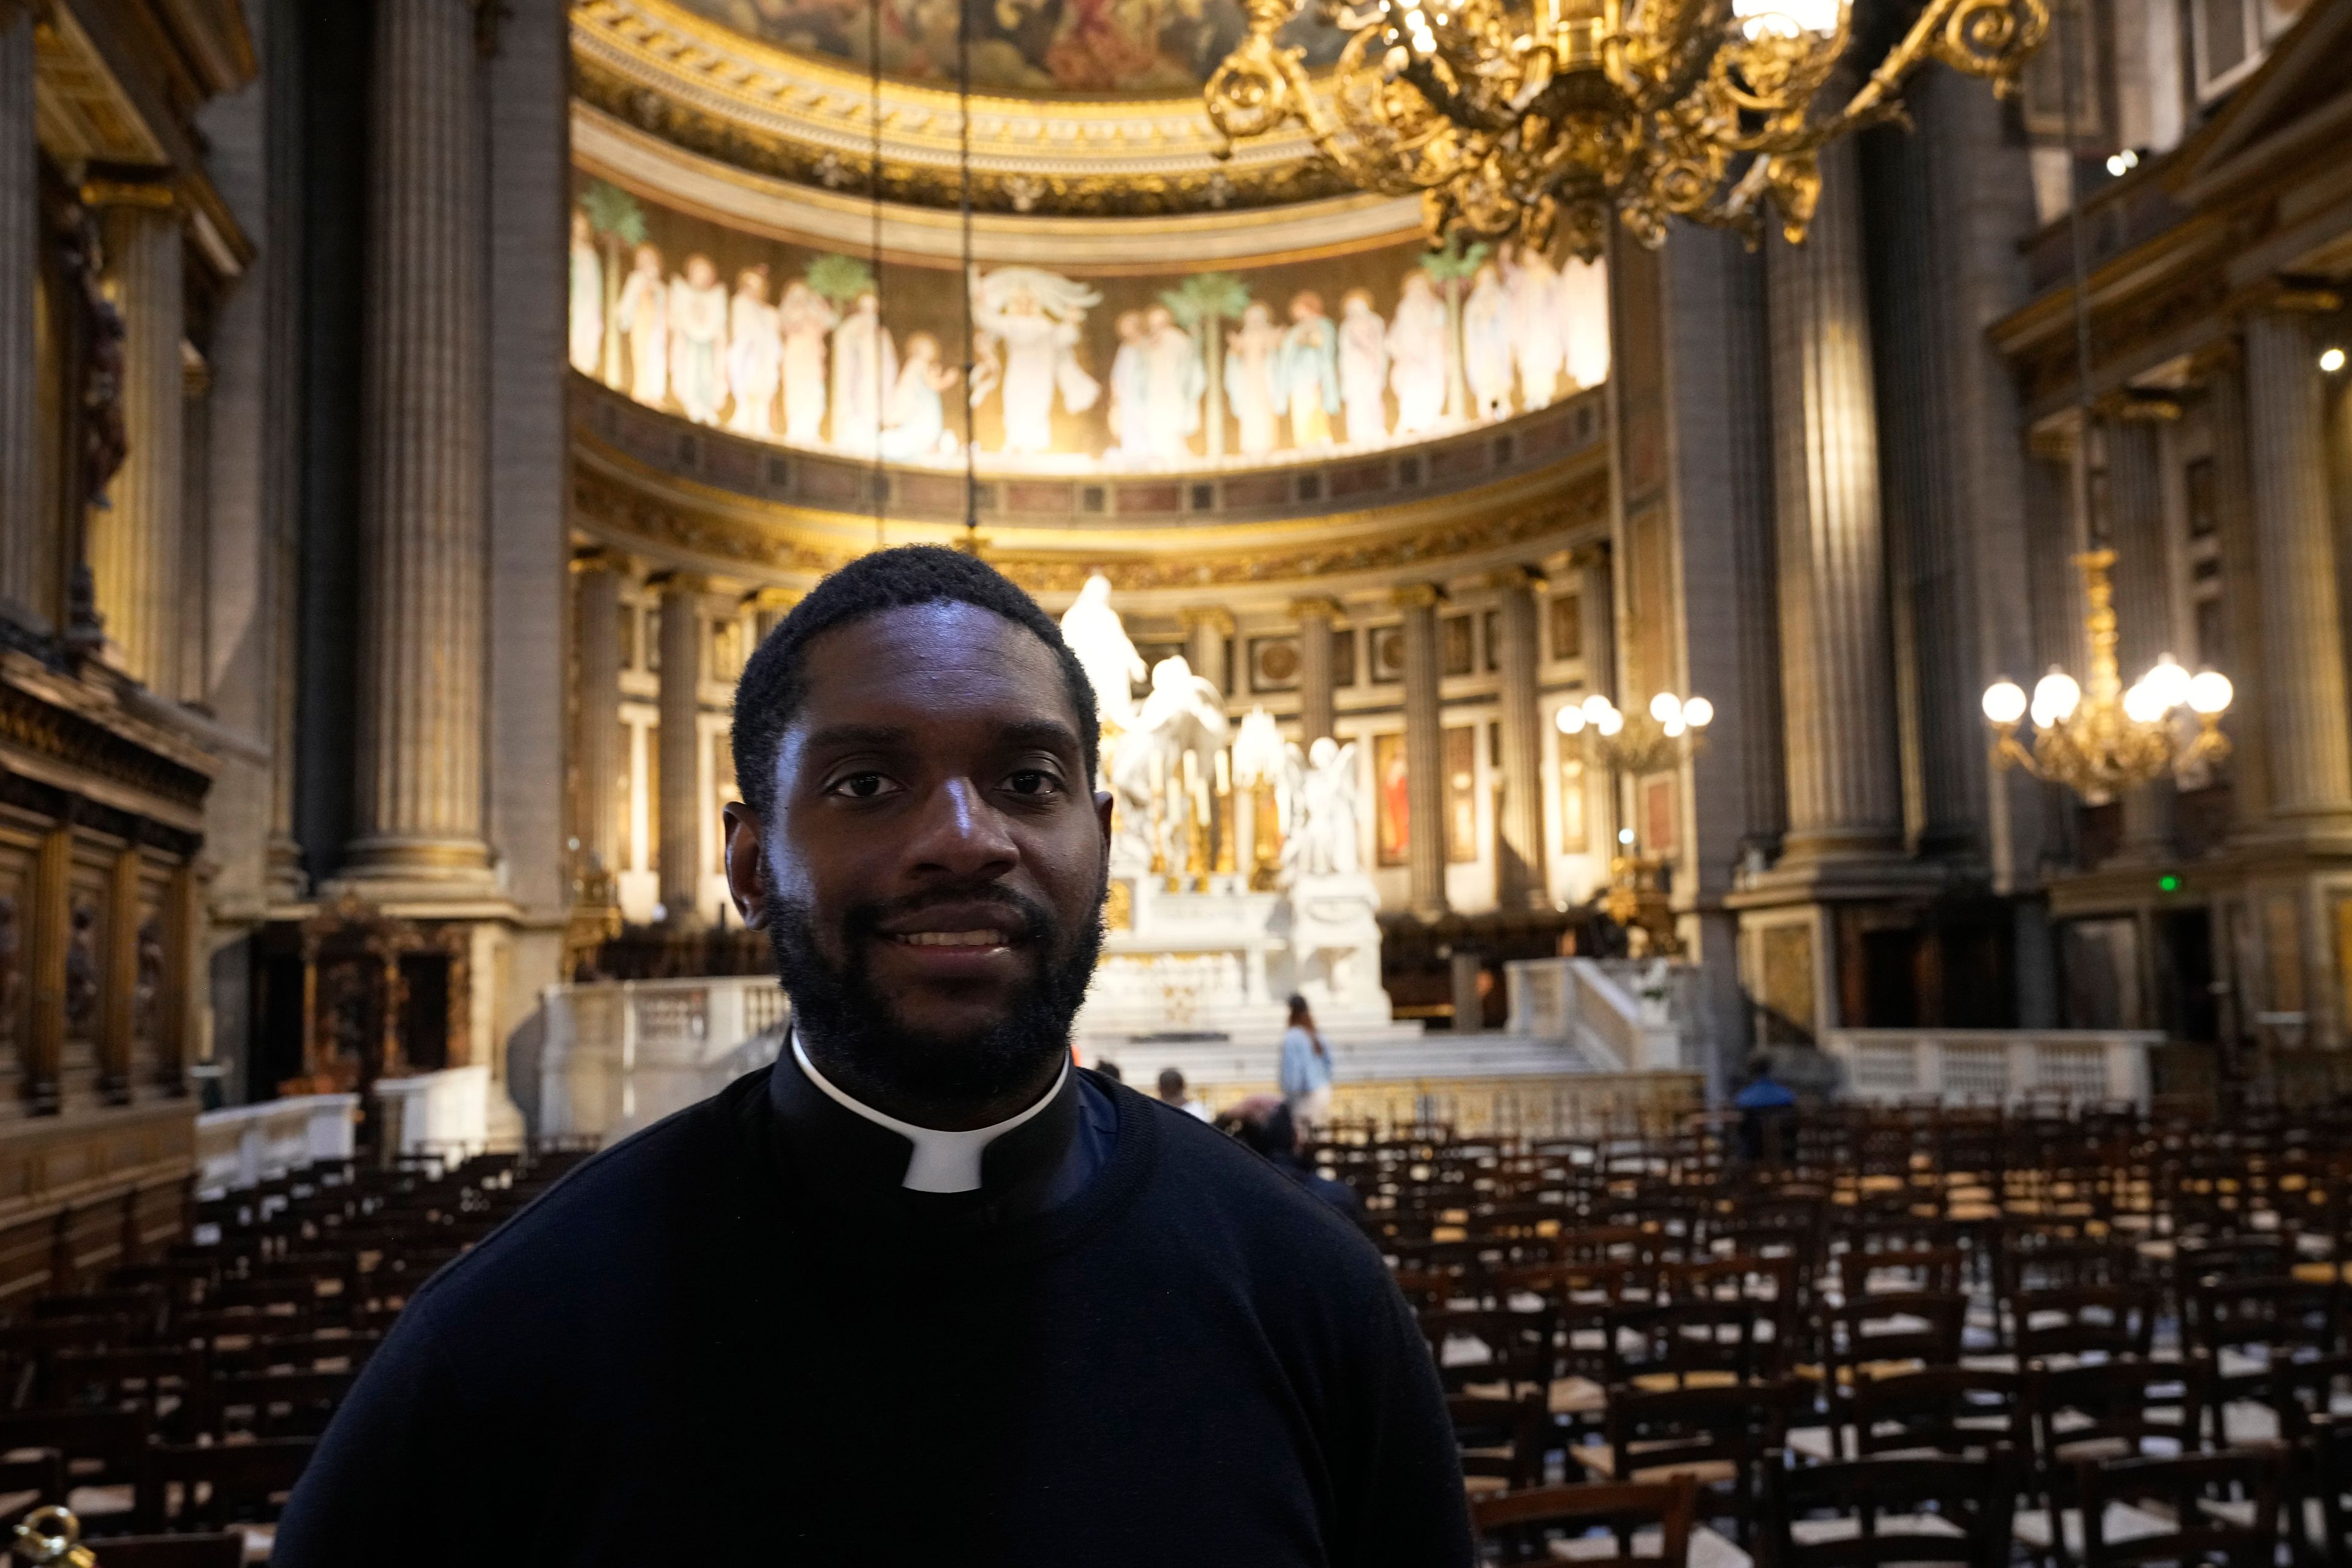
[
  {"x": 697, "y": 340},
  {"x": 1035, "y": 315},
  {"x": 1321, "y": 783},
  {"x": 644, "y": 323},
  {"x": 587, "y": 333},
  {"x": 754, "y": 355},
  {"x": 1106, "y": 653},
  {"x": 1183, "y": 715},
  {"x": 804, "y": 320}
]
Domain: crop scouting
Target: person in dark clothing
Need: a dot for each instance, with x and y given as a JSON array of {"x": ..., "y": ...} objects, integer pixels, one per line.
[
  {"x": 1768, "y": 1112},
  {"x": 922, "y": 1291},
  {"x": 1275, "y": 1137}
]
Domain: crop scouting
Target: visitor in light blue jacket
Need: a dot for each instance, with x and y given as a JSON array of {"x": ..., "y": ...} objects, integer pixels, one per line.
[{"x": 1306, "y": 1071}]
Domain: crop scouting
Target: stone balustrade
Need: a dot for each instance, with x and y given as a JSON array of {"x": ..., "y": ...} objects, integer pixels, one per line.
[{"x": 1994, "y": 1067}]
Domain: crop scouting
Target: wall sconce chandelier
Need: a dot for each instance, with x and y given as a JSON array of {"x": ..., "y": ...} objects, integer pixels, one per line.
[
  {"x": 2100, "y": 739},
  {"x": 1529, "y": 122},
  {"x": 1674, "y": 728}
]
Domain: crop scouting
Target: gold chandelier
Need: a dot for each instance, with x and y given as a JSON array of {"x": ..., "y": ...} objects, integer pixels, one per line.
[
  {"x": 1527, "y": 125},
  {"x": 2102, "y": 738}
]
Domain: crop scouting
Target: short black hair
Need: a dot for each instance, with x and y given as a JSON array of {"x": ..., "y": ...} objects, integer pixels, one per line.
[{"x": 776, "y": 679}]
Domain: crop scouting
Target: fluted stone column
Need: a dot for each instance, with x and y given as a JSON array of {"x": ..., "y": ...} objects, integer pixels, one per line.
[
  {"x": 195, "y": 530},
  {"x": 1837, "y": 654},
  {"x": 2143, "y": 578},
  {"x": 1519, "y": 881},
  {"x": 20, "y": 241},
  {"x": 2224, "y": 372},
  {"x": 1316, "y": 702},
  {"x": 2294, "y": 555},
  {"x": 1208, "y": 633},
  {"x": 1424, "y": 748},
  {"x": 134, "y": 541},
  {"x": 684, "y": 844},
  {"x": 282, "y": 430},
  {"x": 599, "y": 741},
  {"x": 1596, "y": 610},
  {"x": 422, "y": 539}
]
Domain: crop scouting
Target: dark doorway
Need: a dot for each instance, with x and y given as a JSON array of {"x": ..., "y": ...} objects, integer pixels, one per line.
[
  {"x": 2188, "y": 1008},
  {"x": 425, "y": 1011},
  {"x": 1890, "y": 978}
]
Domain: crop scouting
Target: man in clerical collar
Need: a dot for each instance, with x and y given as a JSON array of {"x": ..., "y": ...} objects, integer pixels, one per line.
[{"x": 923, "y": 1290}]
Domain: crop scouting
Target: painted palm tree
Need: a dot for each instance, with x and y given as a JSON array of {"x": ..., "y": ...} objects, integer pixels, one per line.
[
  {"x": 1450, "y": 268},
  {"x": 840, "y": 278},
  {"x": 1203, "y": 306},
  {"x": 617, "y": 220}
]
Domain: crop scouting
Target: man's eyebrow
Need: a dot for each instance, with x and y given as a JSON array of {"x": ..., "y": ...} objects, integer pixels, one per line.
[
  {"x": 835, "y": 737},
  {"x": 1049, "y": 733}
]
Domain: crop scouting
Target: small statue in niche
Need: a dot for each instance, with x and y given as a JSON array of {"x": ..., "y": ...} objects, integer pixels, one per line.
[
  {"x": 104, "y": 443},
  {"x": 149, "y": 991},
  {"x": 81, "y": 966}
]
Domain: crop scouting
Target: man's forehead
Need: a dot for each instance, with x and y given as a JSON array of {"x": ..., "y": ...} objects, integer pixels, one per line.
[{"x": 932, "y": 664}]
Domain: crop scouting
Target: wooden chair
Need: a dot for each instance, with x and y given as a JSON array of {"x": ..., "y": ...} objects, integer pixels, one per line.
[
  {"x": 1928, "y": 1269},
  {"x": 1950, "y": 1410},
  {"x": 1918, "y": 1326},
  {"x": 2224, "y": 1509},
  {"x": 35, "y": 1478},
  {"x": 2257, "y": 1323},
  {"x": 1721, "y": 1437},
  {"x": 1502, "y": 1441},
  {"x": 275, "y": 1404},
  {"x": 2081, "y": 1319},
  {"x": 1686, "y": 1341},
  {"x": 2096, "y": 1412},
  {"x": 1539, "y": 1525},
  {"x": 191, "y": 1486},
  {"x": 1518, "y": 1345},
  {"x": 1864, "y": 1514}
]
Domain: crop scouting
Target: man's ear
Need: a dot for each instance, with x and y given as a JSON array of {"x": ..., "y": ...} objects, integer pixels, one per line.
[
  {"x": 747, "y": 867},
  {"x": 1102, "y": 819}
]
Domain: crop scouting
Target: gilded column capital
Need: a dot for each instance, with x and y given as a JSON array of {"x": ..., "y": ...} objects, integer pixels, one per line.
[
  {"x": 2295, "y": 295},
  {"x": 1317, "y": 607},
  {"x": 772, "y": 598},
  {"x": 1518, "y": 575},
  {"x": 1215, "y": 616},
  {"x": 598, "y": 558},
  {"x": 1585, "y": 557},
  {"x": 673, "y": 581},
  {"x": 1417, "y": 595}
]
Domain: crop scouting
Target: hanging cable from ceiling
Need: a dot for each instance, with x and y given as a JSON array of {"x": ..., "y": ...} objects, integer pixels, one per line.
[{"x": 875, "y": 368}]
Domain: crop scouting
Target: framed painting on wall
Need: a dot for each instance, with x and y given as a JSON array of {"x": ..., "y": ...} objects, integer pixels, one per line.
[
  {"x": 1394, "y": 840},
  {"x": 1462, "y": 794},
  {"x": 1571, "y": 806}
]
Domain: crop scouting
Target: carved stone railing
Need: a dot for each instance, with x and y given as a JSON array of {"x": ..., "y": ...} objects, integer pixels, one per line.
[
  {"x": 246, "y": 1145},
  {"x": 1995, "y": 1067},
  {"x": 1581, "y": 1000},
  {"x": 620, "y": 1055}
]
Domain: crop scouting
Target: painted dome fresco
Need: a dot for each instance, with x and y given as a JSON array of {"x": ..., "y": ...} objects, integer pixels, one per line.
[{"x": 1162, "y": 47}]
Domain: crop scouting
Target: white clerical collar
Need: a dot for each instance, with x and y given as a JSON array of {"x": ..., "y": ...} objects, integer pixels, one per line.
[{"x": 943, "y": 1162}]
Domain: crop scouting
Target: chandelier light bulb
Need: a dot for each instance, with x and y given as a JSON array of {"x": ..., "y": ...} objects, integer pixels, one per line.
[
  {"x": 2004, "y": 703},
  {"x": 1698, "y": 712},
  {"x": 1666, "y": 708},
  {"x": 2209, "y": 692},
  {"x": 1610, "y": 723},
  {"x": 1674, "y": 728},
  {"x": 2142, "y": 705},
  {"x": 2331, "y": 360},
  {"x": 2168, "y": 682},
  {"x": 1595, "y": 706},
  {"x": 2055, "y": 698},
  {"x": 1570, "y": 720}
]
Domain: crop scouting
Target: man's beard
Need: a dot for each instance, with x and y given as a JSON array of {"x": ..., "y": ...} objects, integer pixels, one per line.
[{"x": 873, "y": 1053}]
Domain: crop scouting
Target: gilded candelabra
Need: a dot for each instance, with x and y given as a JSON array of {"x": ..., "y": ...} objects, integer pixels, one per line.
[
  {"x": 1673, "y": 729},
  {"x": 2100, "y": 739},
  {"x": 1528, "y": 124}
]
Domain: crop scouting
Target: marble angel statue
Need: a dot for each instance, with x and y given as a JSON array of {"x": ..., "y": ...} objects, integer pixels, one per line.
[
  {"x": 1176, "y": 381},
  {"x": 1584, "y": 321},
  {"x": 1035, "y": 315},
  {"x": 697, "y": 340},
  {"x": 1321, "y": 786},
  {"x": 1250, "y": 385},
  {"x": 804, "y": 321},
  {"x": 915, "y": 424},
  {"x": 1183, "y": 715},
  {"x": 1130, "y": 391},
  {"x": 1106, "y": 653},
  {"x": 754, "y": 356},
  {"x": 587, "y": 332},
  {"x": 644, "y": 323},
  {"x": 1363, "y": 367}
]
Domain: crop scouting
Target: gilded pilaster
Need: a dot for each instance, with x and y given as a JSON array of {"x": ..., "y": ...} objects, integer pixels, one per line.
[
  {"x": 1519, "y": 878},
  {"x": 422, "y": 535},
  {"x": 1424, "y": 760},
  {"x": 1837, "y": 654},
  {"x": 134, "y": 541}
]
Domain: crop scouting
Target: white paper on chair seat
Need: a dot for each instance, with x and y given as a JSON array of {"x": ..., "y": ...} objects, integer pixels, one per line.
[
  {"x": 1707, "y": 1549},
  {"x": 2120, "y": 1522}
]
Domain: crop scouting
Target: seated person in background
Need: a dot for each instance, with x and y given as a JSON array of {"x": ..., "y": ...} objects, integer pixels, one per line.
[
  {"x": 1768, "y": 1110},
  {"x": 923, "y": 1292},
  {"x": 1109, "y": 1068},
  {"x": 1171, "y": 1093},
  {"x": 1266, "y": 1126}
]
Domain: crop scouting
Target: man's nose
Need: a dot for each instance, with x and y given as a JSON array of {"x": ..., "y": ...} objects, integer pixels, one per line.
[{"x": 962, "y": 833}]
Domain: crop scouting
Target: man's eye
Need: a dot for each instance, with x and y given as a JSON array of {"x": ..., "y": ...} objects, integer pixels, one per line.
[
  {"x": 862, "y": 787},
  {"x": 1034, "y": 782}
]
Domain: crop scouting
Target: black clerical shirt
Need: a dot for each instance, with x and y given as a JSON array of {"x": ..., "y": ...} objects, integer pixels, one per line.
[{"x": 736, "y": 1338}]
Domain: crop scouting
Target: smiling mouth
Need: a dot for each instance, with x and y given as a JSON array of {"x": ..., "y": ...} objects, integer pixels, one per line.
[{"x": 982, "y": 938}]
